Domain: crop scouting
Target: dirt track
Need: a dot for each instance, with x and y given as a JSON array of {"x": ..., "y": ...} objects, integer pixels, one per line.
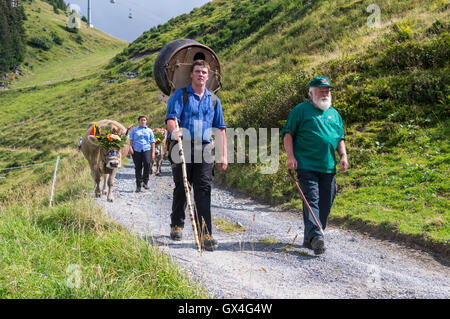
[{"x": 262, "y": 262}]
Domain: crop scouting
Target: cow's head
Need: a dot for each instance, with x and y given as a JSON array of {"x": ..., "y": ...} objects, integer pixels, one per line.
[
  {"x": 158, "y": 150},
  {"x": 111, "y": 158}
]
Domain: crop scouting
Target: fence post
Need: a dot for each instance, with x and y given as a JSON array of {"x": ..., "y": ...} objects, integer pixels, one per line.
[{"x": 54, "y": 180}]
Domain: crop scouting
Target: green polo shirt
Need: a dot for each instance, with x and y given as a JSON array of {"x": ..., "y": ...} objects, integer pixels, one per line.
[{"x": 316, "y": 135}]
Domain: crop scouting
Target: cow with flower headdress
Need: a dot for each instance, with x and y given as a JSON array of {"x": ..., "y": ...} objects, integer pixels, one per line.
[
  {"x": 160, "y": 148},
  {"x": 105, "y": 144}
]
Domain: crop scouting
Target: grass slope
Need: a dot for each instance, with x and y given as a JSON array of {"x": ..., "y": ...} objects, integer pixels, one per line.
[
  {"x": 54, "y": 53},
  {"x": 73, "y": 249}
]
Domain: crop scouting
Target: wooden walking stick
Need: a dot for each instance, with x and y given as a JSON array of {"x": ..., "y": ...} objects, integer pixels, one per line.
[
  {"x": 306, "y": 202},
  {"x": 187, "y": 190}
]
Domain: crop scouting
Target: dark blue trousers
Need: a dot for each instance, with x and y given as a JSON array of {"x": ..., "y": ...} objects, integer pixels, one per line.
[
  {"x": 142, "y": 161},
  {"x": 320, "y": 191},
  {"x": 200, "y": 176}
]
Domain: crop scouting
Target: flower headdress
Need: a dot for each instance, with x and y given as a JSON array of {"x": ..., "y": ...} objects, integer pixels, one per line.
[
  {"x": 159, "y": 136},
  {"x": 109, "y": 137}
]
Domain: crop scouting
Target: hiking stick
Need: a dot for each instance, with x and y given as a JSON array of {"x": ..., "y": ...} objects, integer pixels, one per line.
[
  {"x": 187, "y": 190},
  {"x": 306, "y": 202}
]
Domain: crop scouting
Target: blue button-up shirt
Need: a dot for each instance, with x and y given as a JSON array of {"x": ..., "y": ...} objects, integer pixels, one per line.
[
  {"x": 142, "y": 138},
  {"x": 197, "y": 116}
]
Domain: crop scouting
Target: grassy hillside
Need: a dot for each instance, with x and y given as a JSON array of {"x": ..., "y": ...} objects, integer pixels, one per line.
[
  {"x": 56, "y": 53},
  {"x": 73, "y": 249},
  {"x": 392, "y": 89}
]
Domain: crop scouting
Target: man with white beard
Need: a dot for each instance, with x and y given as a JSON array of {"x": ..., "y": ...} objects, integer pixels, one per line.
[{"x": 312, "y": 134}]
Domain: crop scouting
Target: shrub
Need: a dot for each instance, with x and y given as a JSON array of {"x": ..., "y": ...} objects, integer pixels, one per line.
[
  {"x": 56, "y": 38},
  {"x": 78, "y": 38},
  {"x": 147, "y": 71},
  {"x": 71, "y": 30},
  {"x": 270, "y": 105},
  {"x": 191, "y": 32},
  {"x": 41, "y": 41}
]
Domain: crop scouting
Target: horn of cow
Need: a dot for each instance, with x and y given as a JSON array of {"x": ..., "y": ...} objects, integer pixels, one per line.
[
  {"x": 92, "y": 139},
  {"x": 128, "y": 129}
]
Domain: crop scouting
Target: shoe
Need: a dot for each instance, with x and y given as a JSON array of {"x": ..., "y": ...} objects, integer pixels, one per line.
[
  {"x": 307, "y": 244},
  {"x": 145, "y": 185},
  {"x": 138, "y": 189},
  {"x": 209, "y": 243},
  {"x": 176, "y": 233},
  {"x": 318, "y": 245}
]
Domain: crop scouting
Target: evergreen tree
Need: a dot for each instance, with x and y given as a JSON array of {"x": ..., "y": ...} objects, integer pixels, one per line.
[
  {"x": 12, "y": 35},
  {"x": 58, "y": 4}
]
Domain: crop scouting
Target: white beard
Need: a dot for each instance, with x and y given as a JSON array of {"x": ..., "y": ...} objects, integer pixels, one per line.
[{"x": 322, "y": 104}]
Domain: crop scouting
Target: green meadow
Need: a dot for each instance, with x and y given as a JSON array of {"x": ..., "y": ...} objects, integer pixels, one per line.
[{"x": 73, "y": 249}]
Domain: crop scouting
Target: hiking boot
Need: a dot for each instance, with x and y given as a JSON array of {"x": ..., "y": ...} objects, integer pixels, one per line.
[
  {"x": 176, "y": 233},
  {"x": 307, "y": 244},
  {"x": 318, "y": 245},
  {"x": 209, "y": 243}
]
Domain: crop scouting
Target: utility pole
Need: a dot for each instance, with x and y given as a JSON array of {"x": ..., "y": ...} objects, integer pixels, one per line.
[{"x": 89, "y": 15}]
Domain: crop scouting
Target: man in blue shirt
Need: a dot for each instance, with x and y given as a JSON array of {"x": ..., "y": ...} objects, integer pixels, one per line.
[
  {"x": 142, "y": 148},
  {"x": 201, "y": 112}
]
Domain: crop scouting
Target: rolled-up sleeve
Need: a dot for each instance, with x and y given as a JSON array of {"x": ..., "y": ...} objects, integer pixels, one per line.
[
  {"x": 341, "y": 131},
  {"x": 291, "y": 123},
  {"x": 174, "y": 106},
  {"x": 151, "y": 137},
  {"x": 218, "y": 120}
]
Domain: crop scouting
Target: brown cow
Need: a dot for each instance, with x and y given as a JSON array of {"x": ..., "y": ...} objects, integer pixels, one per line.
[
  {"x": 160, "y": 150},
  {"x": 103, "y": 162}
]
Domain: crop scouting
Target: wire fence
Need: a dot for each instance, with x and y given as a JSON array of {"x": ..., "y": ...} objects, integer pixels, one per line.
[
  {"x": 24, "y": 166},
  {"x": 39, "y": 164}
]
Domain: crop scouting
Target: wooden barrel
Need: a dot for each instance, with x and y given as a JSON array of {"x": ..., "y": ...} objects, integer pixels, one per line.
[{"x": 173, "y": 65}]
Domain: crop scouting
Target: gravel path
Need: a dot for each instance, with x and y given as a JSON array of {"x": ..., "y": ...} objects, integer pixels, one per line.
[{"x": 262, "y": 262}]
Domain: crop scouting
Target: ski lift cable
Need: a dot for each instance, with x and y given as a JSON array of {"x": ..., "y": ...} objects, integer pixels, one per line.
[{"x": 129, "y": 3}]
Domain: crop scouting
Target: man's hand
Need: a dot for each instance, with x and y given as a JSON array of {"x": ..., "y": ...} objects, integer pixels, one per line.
[
  {"x": 343, "y": 164},
  {"x": 288, "y": 142},
  {"x": 291, "y": 163},
  {"x": 177, "y": 134},
  {"x": 223, "y": 164},
  {"x": 131, "y": 150},
  {"x": 174, "y": 133}
]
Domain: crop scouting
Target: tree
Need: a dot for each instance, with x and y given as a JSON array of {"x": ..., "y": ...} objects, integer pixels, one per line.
[
  {"x": 57, "y": 4},
  {"x": 12, "y": 35}
]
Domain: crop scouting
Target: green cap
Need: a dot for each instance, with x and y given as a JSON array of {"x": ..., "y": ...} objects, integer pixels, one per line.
[{"x": 320, "y": 81}]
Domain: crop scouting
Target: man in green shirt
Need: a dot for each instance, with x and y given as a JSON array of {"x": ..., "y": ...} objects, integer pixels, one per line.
[{"x": 312, "y": 134}]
